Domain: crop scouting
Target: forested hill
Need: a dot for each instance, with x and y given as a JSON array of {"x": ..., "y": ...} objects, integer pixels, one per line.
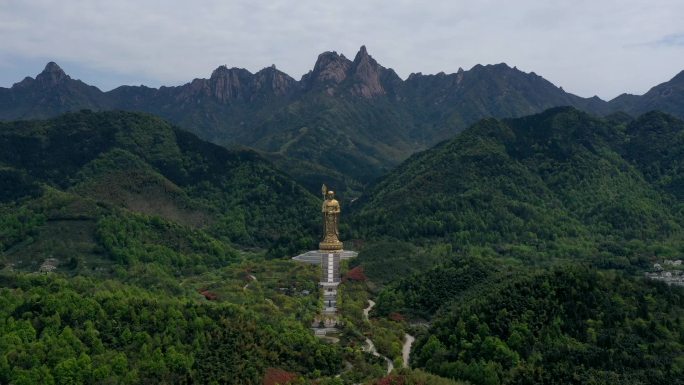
[
  {"x": 142, "y": 164},
  {"x": 560, "y": 183},
  {"x": 125, "y": 246},
  {"x": 523, "y": 242},
  {"x": 570, "y": 325}
]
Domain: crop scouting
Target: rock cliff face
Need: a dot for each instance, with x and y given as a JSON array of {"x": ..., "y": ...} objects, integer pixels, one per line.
[
  {"x": 237, "y": 84},
  {"x": 368, "y": 74},
  {"x": 272, "y": 81},
  {"x": 229, "y": 84},
  {"x": 330, "y": 68},
  {"x": 363, "y": 77}
]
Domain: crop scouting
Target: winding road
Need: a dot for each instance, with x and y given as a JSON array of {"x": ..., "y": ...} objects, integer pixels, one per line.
[
  {"x": 405, "y": 350},
  {"x": 370, "y": 346}
]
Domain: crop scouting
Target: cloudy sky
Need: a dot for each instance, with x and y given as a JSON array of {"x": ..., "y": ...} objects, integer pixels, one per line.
[{"x": 602, "y": 47}]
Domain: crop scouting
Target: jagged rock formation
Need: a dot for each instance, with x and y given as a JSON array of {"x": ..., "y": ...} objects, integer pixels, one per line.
[
  {"x": 330, "y": 68},
  {"x": 352, "y": 120},
  {"x": 52, "y": 92},
  {"x": 364, "y": 76}
]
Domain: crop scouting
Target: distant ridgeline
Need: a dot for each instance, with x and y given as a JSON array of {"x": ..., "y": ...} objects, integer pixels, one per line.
[{"x": 346, "y": 121}]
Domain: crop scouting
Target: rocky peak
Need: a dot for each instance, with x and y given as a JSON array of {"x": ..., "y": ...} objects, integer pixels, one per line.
[
  {"x": 500, "y": 71},
  {"x": 230, "y": 83},
  {"x": 492, "y": 68},
  {"x": 362, "y": 54},
  {"x": 52, "y": 74},
  {"x": 501, "y": 67},
  {"x": 330, "y": 68},
  {"x": 226, "y": 84},
  {"x": 223, "y": 72},
  {"x": 272, "y": 80},
  {"x": 368, "y": 75}
]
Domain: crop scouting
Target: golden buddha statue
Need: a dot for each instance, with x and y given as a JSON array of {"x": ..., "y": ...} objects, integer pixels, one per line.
[{"x": 331, "y": 220}]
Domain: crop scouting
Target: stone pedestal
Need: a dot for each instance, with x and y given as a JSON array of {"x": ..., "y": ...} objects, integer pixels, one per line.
[
  {"x": 330, "y": 279},
  {"x": 314, "y": 257},
  {"x": 330, "y": 246}
]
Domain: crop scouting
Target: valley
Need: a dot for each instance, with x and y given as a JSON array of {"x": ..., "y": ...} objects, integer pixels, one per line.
[{"x": 514, "y": 250}]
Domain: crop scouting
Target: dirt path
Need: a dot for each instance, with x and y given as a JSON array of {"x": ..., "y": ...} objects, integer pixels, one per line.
[
  {"x": 370, "y": 346},
  {"x": 406, "y": 349},
  {"x": 368, "y": 309}
]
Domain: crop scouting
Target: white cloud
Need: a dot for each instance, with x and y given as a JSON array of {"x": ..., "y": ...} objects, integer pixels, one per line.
[{"x": 588, "y": 47}]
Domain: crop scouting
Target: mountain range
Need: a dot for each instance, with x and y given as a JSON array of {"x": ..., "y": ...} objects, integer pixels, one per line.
[{"x": 345, "y": 121}]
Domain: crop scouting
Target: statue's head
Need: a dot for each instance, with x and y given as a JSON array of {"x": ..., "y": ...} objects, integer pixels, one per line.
[{"x": 330, "y": 194}]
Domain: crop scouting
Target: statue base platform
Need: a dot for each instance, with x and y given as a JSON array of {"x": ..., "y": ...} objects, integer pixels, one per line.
[
  {"x": 330, "y": 247},
  {"x": 329, "y": 262},
  {"x": 315, "y": 257},
  {"x": 330, "y": 277}
]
